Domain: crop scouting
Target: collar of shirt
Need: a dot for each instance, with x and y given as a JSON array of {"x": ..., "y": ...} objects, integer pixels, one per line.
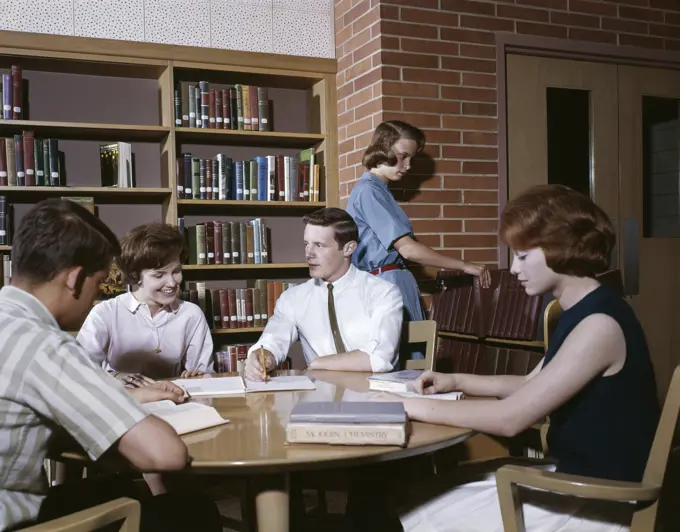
[
  {"x": 133, "y": 304},
  {"x": 341, "y": 283},
  {"x": 375, "y": 179},
  {"x": 28, "y": 303}
]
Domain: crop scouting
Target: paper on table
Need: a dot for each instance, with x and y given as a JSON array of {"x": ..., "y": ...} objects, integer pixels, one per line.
[
  {"x": 186, "y": 417},
  {"x": 234, "y": 385},
  {"x": 282, "y": 384}
]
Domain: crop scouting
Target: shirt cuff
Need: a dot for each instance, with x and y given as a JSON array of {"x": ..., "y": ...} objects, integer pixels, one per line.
[
  {"x": 257, "y": 346},
  {"x": 379, "y": 364}
]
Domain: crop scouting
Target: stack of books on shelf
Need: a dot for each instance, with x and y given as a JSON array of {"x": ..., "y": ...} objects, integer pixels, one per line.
[
  {"x": 116, "y": 165},
  {"x": 200, "y": 105},
  {"x": 502, "y": 311},
  {"x": 12, "y": 94},
  {"x": 29, "y": 161},
  {"x": 228, "y": 242},
  {"x": 236, "y": 308},
  {"x": 264, "y": 178}
]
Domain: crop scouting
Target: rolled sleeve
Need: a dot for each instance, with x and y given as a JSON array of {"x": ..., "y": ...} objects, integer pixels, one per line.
[
  {"x": 387, "y": 315},
  {"x": 281, "y": 331},
  {"x": 199, "y": 354},
  {"x": 64, "y": 385},
  {"x": 380, "y": 212},
  {"x": 94, "y": 335}
]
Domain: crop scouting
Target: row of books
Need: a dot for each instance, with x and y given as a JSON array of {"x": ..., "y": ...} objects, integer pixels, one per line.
[
  {"x": 232, "y": 357},
  {"x": 244, "y": 107},
  {"x": 264, "y": 178},
  {"x": 12, "y": 94},
  {"x": 5, "y": 270},
  {"x": 116, "y": 165},
  {"x": 29, "y": 161},
  {"x": 502, "y": 311},
  {"x": 236, "y": 308},
  {"x": 218, "y": 242},
  {"x": 454, "y": 356},
  {"x": 5, "y": 222}
]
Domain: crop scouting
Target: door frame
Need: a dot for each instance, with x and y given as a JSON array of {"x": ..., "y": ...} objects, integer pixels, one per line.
[{"x": 511, "y": 43}]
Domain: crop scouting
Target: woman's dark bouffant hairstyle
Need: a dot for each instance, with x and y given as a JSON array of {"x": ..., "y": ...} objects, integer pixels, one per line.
[
  {"x": 576, "y": 235},
  {"x": 380, "y": 150}
]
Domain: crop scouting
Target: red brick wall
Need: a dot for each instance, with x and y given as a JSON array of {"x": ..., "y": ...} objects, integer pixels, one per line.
[{"x": 432, "y": 63}]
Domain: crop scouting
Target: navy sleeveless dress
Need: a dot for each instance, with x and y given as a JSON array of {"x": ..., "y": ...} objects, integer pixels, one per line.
[{"x": 606, "y": 430}]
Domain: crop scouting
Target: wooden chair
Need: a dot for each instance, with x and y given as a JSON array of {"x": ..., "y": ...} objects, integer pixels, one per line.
[
  {"x": 645, "y": 493},
  {"x": 123, "y": 509},
  {"x": 424, "y": 331}
]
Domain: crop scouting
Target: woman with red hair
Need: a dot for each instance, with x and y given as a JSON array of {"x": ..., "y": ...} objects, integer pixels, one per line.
[{"x": 596, "y": 381}]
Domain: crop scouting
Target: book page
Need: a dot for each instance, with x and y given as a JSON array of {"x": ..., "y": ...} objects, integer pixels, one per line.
[
  {"x": 186, "y": 417},
  {"x": 212, "y": 386},
  {"x": 281, "y": 384}
]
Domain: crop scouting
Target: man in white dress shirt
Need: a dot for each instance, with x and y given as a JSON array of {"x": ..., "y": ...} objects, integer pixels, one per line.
[{"x": 346, "y": 319}]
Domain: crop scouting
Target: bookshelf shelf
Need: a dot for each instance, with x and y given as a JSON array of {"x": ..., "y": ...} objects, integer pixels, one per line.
[
  {"x": 533, "y": 344},
  {"x": 101, "y": 195},
  {"x": 85, "y": 131},
  {"x": 244, "y": 330},
  {"x": 236, "y": 137},
  {"x": 246, "y": 207},
  {"x": 5, "y": 248},
  {"x": 281, "y": 266}
]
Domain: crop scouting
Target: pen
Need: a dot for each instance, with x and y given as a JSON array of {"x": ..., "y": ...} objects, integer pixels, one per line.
[{"x": 264, "y": 367}]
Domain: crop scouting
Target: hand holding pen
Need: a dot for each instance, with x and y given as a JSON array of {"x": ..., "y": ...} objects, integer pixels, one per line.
[{"x": 259, "y": 364}]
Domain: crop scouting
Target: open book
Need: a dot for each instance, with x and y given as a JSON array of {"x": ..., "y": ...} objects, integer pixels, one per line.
[
  {"x": 186, "y": 417},
  {"x": 217, "y": 386}
]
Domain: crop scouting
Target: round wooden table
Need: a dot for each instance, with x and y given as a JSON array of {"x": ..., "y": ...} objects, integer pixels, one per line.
[{"x": 254, "y": 441}]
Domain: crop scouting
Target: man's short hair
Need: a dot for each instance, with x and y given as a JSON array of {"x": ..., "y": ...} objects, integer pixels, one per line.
[
  {"x": 58, "y": 234},
  {"x": 576, "y": 235},
  {"x": 344, "y": 227},
  {"x": 149, "y": 247},
  {"x": 386, "y": 135}
]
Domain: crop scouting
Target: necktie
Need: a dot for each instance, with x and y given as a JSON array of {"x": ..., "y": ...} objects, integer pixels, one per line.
[{"x": 339, "y": 346}]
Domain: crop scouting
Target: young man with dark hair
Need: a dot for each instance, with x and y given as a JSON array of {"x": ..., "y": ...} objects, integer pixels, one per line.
[
  {"x": 61, "y": 253},
  {"x": 346, "y": 319}
]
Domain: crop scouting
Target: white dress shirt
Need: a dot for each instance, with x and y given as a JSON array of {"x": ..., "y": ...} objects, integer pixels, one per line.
[
  {"x": 369, "y": 312},
  {"x": 121, "y": 335}
]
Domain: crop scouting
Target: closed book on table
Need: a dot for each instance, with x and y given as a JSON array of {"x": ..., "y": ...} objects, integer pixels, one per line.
[{"x": 348, "y": 423}]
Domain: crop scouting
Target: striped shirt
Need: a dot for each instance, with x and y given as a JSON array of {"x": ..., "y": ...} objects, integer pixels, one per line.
[{"x": 48, "y": 381}]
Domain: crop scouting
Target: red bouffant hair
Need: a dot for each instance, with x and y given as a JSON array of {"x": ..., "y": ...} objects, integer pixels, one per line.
[{"x": 576, "y": 235}]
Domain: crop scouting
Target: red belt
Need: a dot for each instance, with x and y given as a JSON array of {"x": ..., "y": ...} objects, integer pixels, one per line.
[{"x": 387, "y": 268}]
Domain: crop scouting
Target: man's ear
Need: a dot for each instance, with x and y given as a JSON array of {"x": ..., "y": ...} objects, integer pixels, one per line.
[
  {"x": 349, "y": 248},
  {"x": 75, "y": 280}
]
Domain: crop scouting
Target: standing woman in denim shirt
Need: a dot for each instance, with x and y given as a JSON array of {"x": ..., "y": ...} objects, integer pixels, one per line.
[{"x": 385, "y": 233}]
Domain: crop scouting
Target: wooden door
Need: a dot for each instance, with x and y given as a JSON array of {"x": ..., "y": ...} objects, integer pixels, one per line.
[
  {"x": 612, "y": 132},
  {"x": 649, "y": 192}
]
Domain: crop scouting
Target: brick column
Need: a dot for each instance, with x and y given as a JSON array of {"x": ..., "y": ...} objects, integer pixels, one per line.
[{"x": 432, "y": 63}]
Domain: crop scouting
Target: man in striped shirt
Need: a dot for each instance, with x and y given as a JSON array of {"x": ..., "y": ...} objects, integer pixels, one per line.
[{"x": 61, "y": 253}]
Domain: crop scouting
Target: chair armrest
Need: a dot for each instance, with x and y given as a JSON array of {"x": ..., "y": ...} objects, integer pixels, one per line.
[
  {"x": 96, "y": 517},
  {"x": 580, "y": 486}
]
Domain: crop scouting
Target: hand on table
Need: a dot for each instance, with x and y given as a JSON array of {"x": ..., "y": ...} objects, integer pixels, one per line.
[
  {"x": 158, "y": 391},
  {"x": 132, "y": 380},
  {"x": 431, "y": 382},
  {"x": 191, "y": 373},
  {"x": 254, "y": 370}
]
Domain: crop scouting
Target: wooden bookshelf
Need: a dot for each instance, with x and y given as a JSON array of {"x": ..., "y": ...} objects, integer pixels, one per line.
[
  {"x": 135, "y": 71},
  {"x": 101, "y": 195},
  {"x": 500, "y": 342},
  {"x": 236, "y": 267},
  {"x": 244, "y": 330}
]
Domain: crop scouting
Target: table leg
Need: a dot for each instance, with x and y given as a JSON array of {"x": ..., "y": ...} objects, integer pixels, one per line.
[{"x": 272, "y": 503}]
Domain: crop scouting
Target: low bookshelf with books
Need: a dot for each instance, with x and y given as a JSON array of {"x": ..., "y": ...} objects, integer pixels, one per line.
[{"x": 233, "y": 147}]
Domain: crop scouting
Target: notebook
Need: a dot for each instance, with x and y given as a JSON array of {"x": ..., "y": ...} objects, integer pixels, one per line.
[
  {"x": 450, "y": 396},
  {"x": 186, "y": 417},
  {"x": 220, "y": 386},
  {"x": 398, "y": 381}
]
